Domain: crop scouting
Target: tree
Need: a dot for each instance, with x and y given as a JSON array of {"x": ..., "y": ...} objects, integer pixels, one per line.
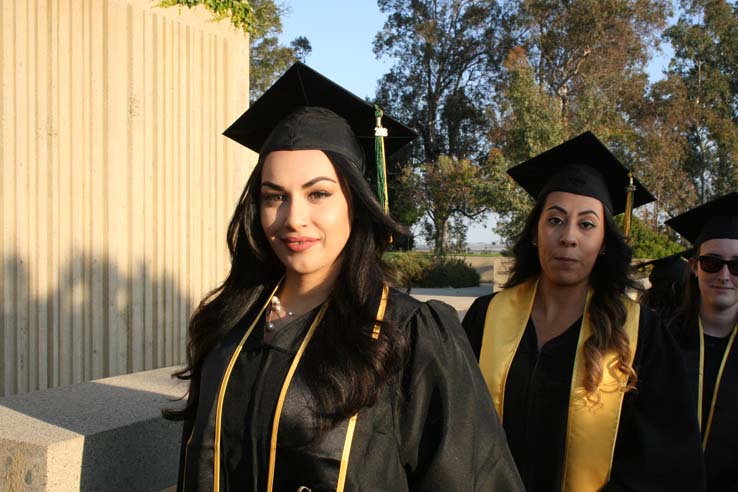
[
  {"x": 269, "y": 59},
  {"x": 246, "y": 15},
  {"x": 446, "y": 55},
  {"x": 447, "y": 189},
  {"x": 662, "y": 124},
  {"x": 704, "y": 90},
  {"x": 591, "y": 55},
  {"x": 262, "y": 20}
]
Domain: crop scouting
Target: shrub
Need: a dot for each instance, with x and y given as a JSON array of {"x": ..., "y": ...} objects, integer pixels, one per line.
[
  {"x": 406, "y": 268},
  {"x": 647, "y": 243},
  {"x": 449, "y": 272}
]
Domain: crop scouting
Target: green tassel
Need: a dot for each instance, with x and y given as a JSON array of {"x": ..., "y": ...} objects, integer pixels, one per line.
[{"x": 379, "y": 134}]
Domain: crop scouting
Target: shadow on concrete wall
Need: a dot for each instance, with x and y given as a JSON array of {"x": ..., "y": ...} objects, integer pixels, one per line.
[{"x": 95, "y": 321}]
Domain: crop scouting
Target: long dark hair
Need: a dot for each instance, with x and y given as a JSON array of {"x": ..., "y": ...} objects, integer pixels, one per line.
[
  {"x": 343, "y": 366},
  {"x": 689, "y": 309},
  {"x": 610, "y": 279},
  {"x": 667, "y": 297}
]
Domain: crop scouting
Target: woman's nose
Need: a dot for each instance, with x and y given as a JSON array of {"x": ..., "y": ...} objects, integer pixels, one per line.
[
  {"x": 297, "y": 214},
  {"x": 568, "y": 235}
]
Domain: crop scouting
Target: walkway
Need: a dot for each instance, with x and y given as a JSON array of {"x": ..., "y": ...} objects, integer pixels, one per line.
[{"x": 460, "y": 299}]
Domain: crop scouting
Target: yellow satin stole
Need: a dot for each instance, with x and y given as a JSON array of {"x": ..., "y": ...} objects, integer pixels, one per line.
[{"x": 592, "y": 427}]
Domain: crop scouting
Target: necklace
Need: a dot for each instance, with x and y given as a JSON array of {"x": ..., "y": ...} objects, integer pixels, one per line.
[{"x": 275, "y": 306}]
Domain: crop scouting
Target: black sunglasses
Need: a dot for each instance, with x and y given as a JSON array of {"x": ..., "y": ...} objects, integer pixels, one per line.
[{"x": 713, "y": 264}]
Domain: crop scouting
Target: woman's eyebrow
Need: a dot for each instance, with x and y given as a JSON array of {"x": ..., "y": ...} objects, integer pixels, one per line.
[
  {"x": 310, "y": 183},
  {"x": 316, "y": 180},
  {"x": 563, "y": 211},
  {"x": 587, "y": 212}
]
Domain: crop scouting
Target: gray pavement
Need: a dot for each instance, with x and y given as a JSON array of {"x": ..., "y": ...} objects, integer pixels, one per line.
[{"x": 459, "y": 299}]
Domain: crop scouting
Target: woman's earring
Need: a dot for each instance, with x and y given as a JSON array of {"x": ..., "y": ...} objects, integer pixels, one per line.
[{"x": 534, "y": 243}]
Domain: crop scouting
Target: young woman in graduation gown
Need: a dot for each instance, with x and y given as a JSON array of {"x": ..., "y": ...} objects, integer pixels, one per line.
[
  {"x": 307, "y": 372},
  {"x": 587, "y": 384},
  {"x": 705, "y": 330}
]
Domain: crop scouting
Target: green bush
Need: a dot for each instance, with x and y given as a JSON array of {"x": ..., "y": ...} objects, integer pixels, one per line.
[
  {"x": 647, "y": 243},
  {"x": 407, "y": 268},
  {"x": 449, "y": 272}
]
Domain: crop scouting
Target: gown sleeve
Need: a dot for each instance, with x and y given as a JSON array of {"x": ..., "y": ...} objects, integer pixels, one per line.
[
  {"x": 451, "y": 437},
  {"x": 186, "y": 431},
  {"x": 658, "y": 445}
]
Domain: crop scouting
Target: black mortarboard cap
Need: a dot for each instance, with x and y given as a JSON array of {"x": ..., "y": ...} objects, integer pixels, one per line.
[
  {"x": 305, "y": 110},
  {"x": 716, "y": 219},
  {"x": 669, "y": 269},
  {"x": 584, "y": 166}
]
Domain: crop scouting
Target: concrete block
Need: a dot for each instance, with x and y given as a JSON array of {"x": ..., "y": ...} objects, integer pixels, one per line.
[{"x": 105, "y": 435}]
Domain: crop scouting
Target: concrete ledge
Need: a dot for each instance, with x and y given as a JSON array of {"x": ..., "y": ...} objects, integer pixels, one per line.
[{"x": 102, "y": 435}]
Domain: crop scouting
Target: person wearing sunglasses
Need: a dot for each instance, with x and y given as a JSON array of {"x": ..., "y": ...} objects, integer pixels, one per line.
[{"x": 705, "y": 330}]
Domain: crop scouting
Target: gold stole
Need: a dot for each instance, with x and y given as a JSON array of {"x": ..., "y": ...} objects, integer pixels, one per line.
[
  {"x": 283, "y": 393},
  {"x": 592, "y": 427}
]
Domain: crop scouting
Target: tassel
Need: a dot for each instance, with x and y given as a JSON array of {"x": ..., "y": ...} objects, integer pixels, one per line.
[
  {"x": 379, "y": 133},
  {"x": 627, "y": 219}
]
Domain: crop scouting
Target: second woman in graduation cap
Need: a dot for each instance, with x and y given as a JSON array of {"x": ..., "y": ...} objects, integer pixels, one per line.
[
  {"x": 307, "y": 373},
  {"x": 706, "y": 328},
  {"x": 589, "y": 387}
]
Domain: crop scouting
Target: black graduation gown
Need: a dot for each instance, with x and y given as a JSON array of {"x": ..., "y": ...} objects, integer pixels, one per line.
[
  {"x": 657, "y": 445},
  {"x": 433, "y": 428},
  {"x": 721, "y": 453}
]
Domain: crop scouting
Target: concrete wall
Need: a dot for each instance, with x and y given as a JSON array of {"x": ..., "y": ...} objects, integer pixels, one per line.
[
  {"x": 116, "y": 185},
  {"x": 105, "y": 435}
]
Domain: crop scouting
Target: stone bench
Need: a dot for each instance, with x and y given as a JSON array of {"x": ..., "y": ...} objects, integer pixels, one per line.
[{"x": 105, "y": 435}]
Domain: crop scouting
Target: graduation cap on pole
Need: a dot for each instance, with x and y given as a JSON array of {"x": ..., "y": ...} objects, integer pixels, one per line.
[
  {"x": 304, "y": 110},
  {"x": 583, "y": 166},
  {"x": 716, "y": 219}
]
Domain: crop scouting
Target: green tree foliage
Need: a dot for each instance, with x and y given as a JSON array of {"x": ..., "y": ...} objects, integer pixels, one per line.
[
  {"x": 647, "y": 243},
  {"x": 445, "y": 54},
  {"x": 242, "y": 13},
  {"x": 262, "y": 20},
  {"x": 591, "y": 56},
  {"x": 446, "y": 189},
  {"x": 269, "y": 58},
  {"x": 662, "y": 148},
  {"x": 702, "y": 88}
]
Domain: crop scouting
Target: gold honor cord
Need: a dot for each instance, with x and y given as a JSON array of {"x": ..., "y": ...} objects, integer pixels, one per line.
[
  {"x": 342, "y": 472},
  {"x": 717, "y": 381},
  {"x": 283, "y": 394},
  {"x": 222, "y": 391}
]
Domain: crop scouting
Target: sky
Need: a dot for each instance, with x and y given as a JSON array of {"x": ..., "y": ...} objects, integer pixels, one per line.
[{"x": 342, "y": 32}]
